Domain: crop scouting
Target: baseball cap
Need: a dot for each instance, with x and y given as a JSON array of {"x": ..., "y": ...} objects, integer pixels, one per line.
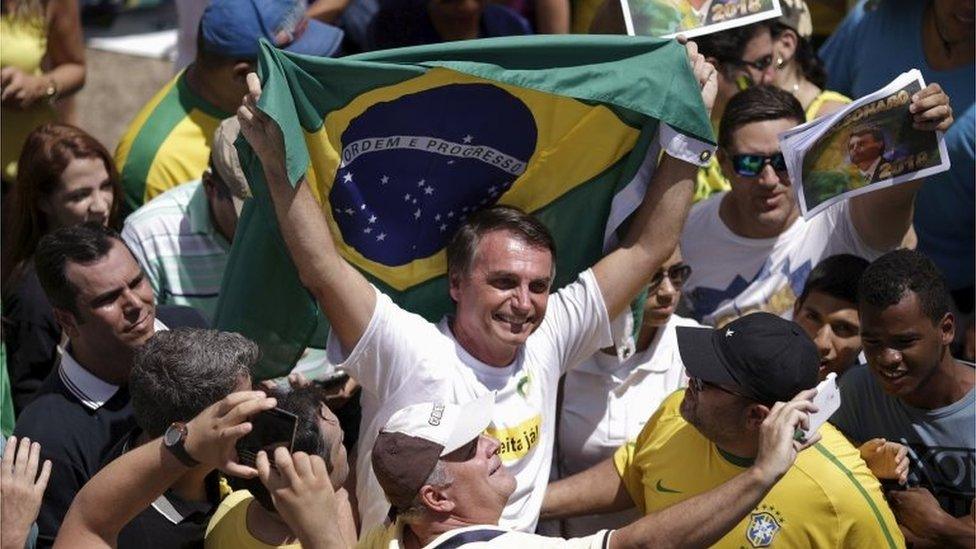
[
  {"x": 223, "y": 157},
  {"x": 232, "y": 28},
  {"x": 415, "y": 437},
  {"x": 796, "y": 15},
  {"x": 765, "y": 357}
]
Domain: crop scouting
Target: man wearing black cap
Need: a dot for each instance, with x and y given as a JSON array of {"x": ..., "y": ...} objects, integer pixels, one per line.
[
  {"x": 448, "y": 486},
  {"x": 706, "y": 435}
]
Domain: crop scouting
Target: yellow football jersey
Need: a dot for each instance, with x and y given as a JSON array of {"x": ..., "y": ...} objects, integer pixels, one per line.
[{"x": 828, "y": 498}]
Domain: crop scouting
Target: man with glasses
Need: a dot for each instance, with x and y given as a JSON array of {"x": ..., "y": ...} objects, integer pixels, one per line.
[
  {"x": 749, "y": 248},
  {"x": 606, "y": 399},
  {"x": 707, "y": 434}
]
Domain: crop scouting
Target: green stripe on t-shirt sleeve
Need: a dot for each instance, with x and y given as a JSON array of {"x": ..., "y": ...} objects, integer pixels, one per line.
[{"x": 864, "y": 493}]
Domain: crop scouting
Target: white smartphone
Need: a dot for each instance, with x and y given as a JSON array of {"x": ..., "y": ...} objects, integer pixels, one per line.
[{"x": 827, "y": 402}]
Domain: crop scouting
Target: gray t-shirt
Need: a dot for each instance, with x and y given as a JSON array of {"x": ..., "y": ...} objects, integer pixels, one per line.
[{"x": 943, "y": 441}]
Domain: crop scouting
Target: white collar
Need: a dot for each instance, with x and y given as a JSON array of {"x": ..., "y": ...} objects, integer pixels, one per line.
[
  {"x": 88, "y": 388},
  {"x": 869, "y": 173}
]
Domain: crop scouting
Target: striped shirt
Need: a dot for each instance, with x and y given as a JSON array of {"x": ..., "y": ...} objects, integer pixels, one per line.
[
  {"x": 167, "y": 143},
  {"x": 179, "y": 248}
]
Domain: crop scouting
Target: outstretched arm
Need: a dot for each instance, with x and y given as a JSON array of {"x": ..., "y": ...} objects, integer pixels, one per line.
[
  {"x": 132, "y": 482},
  {"x": 596, "y": 490},
  {"x": 344, "y": 295},
  {"x": 658, "y": 222},
  {"x": 703, "y": 520},
  {"x": 882, "y": 217}
]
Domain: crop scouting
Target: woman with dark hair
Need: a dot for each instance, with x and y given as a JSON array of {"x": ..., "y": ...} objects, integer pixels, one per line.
[
  {"x": 798, "y": 69},
  {"x": 65, "y": 178}
]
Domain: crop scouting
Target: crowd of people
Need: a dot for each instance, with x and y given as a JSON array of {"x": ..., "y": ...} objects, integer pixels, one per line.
[{"x": 517, "y": 420}]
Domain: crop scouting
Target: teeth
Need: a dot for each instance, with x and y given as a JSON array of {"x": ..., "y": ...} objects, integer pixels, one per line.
[{"x": 890, "y": 375}]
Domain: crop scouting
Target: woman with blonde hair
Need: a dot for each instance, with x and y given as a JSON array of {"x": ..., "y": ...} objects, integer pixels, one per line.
[{"x": 66, "y": 177}]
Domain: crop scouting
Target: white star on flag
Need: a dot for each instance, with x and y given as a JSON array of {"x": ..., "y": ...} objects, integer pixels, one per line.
[
  {"x": 443, "y": 227},
  {"x": 729, "y": 332},
  {"x": 467, "y": 138},
  {"x": 384, "y": 180},
  {"x": 406, "y": 197},
  {"x": 416, "y": 214},
  {"x": 421, "y": 183},
  {"x": 380, "y": 237},
  {"x": 372, "y": 219},
  {"x": 368, "y": 230},
  {"x": 429, "y": 190},
  {"x": 347, "y": 178},
  {"x": 437, "y": 217}
]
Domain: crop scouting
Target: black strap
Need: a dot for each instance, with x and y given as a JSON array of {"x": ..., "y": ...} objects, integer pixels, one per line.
[{"x": 471, "y": 536}]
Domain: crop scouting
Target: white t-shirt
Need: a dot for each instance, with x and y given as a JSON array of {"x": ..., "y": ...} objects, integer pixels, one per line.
[
  {"x": 403, "y": 359},
  {"x": 486, "y": 536},
  {"x": 606, "y": 403},
  {"x": 733, "y": 275}
]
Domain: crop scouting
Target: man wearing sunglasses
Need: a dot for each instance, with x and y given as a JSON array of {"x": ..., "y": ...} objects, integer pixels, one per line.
[
  {"x": 749, "y": 248},
  {"x": 707, "y": 434},
  {"x": 606, "y": 400}
]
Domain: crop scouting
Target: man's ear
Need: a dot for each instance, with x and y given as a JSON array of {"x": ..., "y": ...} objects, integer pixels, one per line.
[
  {"x": 435, "y": 500},
  {"x": 67, "y": 321},
  {"x": 454, "y": 285},
  {"x": 755, "y": 415},
  {"x": 947, "y": 329},
  {"x": 240, "y": 70}
]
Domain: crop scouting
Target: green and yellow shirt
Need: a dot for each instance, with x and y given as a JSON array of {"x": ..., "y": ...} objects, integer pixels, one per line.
[
  {"x": 828, "y": 498},
  {"x": 168, "y": 143}
]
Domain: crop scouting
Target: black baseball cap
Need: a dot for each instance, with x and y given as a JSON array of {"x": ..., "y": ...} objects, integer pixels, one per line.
[{"x": 765, "y": 357}]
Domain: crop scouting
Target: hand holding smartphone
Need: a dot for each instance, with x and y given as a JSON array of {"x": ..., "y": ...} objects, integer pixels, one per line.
[
  {"x": 827, "y": 402},
  {"x": 270, "y": 429}
]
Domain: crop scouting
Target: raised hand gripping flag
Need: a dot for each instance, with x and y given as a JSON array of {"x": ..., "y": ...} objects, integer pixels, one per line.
[{"x": 402, "y": 145}]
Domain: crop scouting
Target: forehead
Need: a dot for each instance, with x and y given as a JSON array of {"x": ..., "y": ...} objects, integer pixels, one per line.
[
  {"x": 674, "y": 259},
  {"x": 826, "y": 304},
  {"x": 504, "y": 251},
  {"x": 760, "y": 137},
  {"x": 116, "y": 269},
  {"x": 903, "y": 316},
  {"x": 759, "y": 45},
  {"x": 84, "y": 171}
]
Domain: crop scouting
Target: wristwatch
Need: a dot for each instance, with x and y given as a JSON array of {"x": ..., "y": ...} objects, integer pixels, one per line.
[{"x": 174, "y": 439}]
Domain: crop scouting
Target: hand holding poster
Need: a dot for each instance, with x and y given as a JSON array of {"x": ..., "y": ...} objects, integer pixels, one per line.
[
  {"x": 668, "y": 18},
  {"x": 869, "y": 145}
]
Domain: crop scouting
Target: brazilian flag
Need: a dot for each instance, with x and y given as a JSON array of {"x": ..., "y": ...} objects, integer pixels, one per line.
[{"x": 402, "y": 145}]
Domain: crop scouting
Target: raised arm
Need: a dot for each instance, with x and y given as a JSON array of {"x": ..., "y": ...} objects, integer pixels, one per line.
[
  {"x": 657, "y": 225},
  {"x": 596, "y": 490},
  {"x": 132, "y": 482},
  {"x": 882, "y": 217},
  {"x": 343, "y": 294},
  {"x": 703, "y": 520}
]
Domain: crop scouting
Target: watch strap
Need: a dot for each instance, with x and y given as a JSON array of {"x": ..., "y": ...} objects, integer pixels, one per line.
[{"x": 177, "y": 447}]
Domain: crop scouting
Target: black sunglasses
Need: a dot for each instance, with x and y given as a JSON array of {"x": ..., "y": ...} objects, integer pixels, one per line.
[
  {"x": 751, "y": 165},
  {"x": 677, "y": 274},
  {"x": 760, "y": 64}
]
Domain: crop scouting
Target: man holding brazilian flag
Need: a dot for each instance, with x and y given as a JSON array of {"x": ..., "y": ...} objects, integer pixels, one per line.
[{"x": 369, "y": 165}]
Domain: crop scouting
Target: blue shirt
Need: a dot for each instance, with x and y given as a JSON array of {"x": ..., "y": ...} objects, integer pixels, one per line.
[
  {"x": 407, "y": 23},
  {"x": 945, "y": 208},
  {"x": 942, "y": 441},
  {"x": 870, "y": 48}
]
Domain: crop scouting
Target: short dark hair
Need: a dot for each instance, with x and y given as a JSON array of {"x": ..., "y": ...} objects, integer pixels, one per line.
[
  {"x": 875, "y": 134},
  {"x": 758, "y": 104},
  {"x": 82, "y": 244},
  {"x": 304, "y": 403},
  {"x": 178, "y": 373},
  {"x": 463, "y": 245},
  {"x": 729, "y": 46},
  {"x": 836, "y": 276},
  {"x": 886, "y": 281}
]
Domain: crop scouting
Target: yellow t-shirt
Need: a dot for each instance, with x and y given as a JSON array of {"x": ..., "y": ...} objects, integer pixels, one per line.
[
  {"x": 828, "y": 498},
  {"x": 228, "y": 526},
  {"x": 22, "y": 45}
]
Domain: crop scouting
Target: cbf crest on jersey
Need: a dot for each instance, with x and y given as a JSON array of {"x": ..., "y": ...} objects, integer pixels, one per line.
[
  {"x": 763, "y": 527},
  {"x": 400, "y": 146}
]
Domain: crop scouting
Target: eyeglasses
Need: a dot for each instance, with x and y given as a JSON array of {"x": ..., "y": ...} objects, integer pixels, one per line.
[
  {"x": 677, "y": 274},
  {"x": 751, "y": 165},
  {"x": 760, "y": 64},
  {"x": 699, "y": 385}
]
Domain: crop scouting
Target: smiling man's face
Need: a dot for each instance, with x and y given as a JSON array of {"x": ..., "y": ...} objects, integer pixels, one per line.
[
  {"x": 115, "y": 307},
  {"x": 903, "y": 346},
  {"x": 502, "y": 297}
]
